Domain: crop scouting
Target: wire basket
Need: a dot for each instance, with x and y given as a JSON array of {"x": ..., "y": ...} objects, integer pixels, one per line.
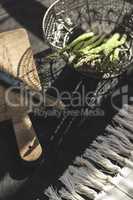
[{"x": 66, "y": 19}]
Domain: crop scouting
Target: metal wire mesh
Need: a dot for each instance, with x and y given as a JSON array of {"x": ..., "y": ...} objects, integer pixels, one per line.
[{"x": 66, "y": 17}]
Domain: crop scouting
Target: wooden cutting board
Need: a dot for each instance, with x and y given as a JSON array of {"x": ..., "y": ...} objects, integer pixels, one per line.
[{"x": 16, "y": 58}]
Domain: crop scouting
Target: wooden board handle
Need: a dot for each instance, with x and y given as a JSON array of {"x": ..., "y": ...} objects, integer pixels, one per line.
[{"x": 27, "y": 141}]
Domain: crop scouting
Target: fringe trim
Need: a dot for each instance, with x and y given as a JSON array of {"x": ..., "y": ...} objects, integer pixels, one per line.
[{"x": 98, "y": 168}]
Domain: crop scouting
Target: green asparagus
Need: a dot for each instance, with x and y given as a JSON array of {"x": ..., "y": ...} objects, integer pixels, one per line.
[
  {"x": 99, "y": 52},
  {"x": 80, "y": 38}
]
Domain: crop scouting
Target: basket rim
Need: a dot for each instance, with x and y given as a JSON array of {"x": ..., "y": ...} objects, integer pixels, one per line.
[
  {"x": 44, "y": 25},
  {"x": 44, "y": 20}
]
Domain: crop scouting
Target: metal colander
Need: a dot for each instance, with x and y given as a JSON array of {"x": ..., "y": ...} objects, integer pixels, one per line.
[{"x": 66, "y": 19}]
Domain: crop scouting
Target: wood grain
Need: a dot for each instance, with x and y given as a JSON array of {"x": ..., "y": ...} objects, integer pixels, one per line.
[{"x": 16, "y": 58}]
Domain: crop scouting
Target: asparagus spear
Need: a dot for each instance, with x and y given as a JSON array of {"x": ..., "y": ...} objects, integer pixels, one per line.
[
  {"x": 87, "y": 59},
  {"x": 86, "y": 43},
  {"x": 94, "y": 55},
  {"x": 70, "y": 47},
  {"x": 94, "y": 49},
  {"x": 83, "y": 37},
  {"x": 108, "y": 47},
  {"x": 115, "y": 55},
  {"x": 95, "y": 42},
  {"x": 78, "y": 46},
  {"x": 113, "y": 43},
  {"x": 91, "y": 41}
]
